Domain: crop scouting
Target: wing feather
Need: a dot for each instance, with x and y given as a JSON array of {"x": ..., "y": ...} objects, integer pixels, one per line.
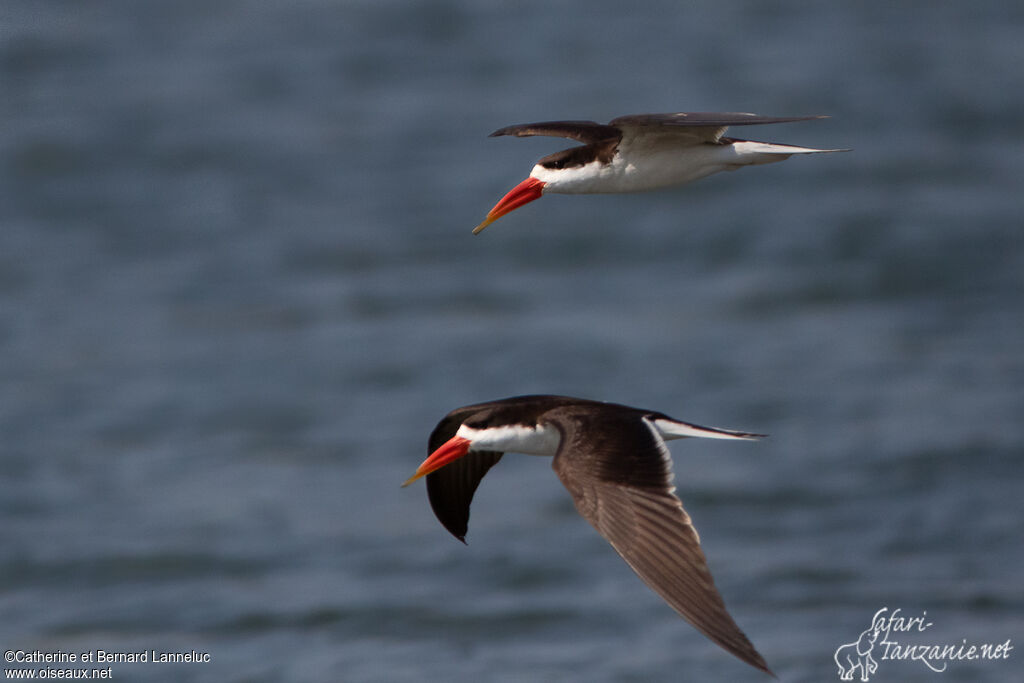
[
  {"x": 700, "y": 127},
  {"x": 622, "y": 485},
  {"x": 705, "y": 119},
  {"x": 583, "y": 131},
  {"x": 451, "y": 488}
]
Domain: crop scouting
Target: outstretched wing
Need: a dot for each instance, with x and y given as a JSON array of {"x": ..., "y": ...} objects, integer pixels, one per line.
[
  {"x": 584, "y": 131},
  {"x": 712, "y": 119},
  {"x": 451, "y": 488},
  {"x": 702, "y": 126},
  {"x": 619, "y": 474}
]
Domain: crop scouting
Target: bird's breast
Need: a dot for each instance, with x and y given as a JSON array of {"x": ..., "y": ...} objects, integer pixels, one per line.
[{"x": 642, "y": 168}]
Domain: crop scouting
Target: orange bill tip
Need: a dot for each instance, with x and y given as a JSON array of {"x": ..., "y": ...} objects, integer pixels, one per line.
[
  {"x": 487, "y": 221},
  {"x": 412, "y": 479}
]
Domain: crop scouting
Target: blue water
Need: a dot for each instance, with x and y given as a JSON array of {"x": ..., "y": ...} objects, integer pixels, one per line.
[{"x": 238, "y": 289}]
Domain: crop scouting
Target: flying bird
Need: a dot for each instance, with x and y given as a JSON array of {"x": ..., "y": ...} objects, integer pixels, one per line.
[
  {"x": 641, "y": 152},
  {"x": 614, "y": 462}
]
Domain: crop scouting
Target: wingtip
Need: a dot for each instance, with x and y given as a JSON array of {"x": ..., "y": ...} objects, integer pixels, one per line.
[
  {"x": 750, "y": 436},
  {"x": 743, "y": 436},
  {"x": 754, "y": 659},
  {"x": 458, "y": 533}
]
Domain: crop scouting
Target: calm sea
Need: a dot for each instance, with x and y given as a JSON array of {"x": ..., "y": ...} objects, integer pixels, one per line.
[{"x": 238, "y": 289}]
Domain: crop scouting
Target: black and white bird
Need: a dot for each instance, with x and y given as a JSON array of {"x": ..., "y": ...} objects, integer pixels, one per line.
[
  {"x": 641, "y": 152},
  {"x": 614, "y": 462}
]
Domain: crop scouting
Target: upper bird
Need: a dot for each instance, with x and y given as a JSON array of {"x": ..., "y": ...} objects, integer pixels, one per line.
[
  {"x": 641, "y": 152},
  {"x": 614, "y": 462}
]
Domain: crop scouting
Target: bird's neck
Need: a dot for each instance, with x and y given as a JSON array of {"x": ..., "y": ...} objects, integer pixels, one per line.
[{"x": 516, "y": 438}]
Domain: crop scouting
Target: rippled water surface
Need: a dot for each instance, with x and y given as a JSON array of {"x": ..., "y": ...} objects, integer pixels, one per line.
[{"x": 238, "y": 289}]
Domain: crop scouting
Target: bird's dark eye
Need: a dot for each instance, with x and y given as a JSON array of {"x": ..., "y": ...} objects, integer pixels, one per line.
[
  {"x": 480, "y": 421},
  {"x": 567, "y": 158}
]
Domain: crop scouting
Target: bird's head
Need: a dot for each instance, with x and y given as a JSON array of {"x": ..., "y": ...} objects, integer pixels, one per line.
[
  {"x": 568, "y": 171},
  {"x": 486, "y": 433}
]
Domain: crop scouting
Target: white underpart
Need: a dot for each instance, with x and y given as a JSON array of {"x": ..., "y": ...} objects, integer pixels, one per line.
[
  {"x": 659, "y": 440},
  {"x": 535, "y": 440},
  {"x": 670, "y": 429},
  {"x": 653, "y": 162}
]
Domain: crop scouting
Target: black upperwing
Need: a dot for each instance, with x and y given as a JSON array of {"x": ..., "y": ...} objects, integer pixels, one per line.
[
  {"x": 702, "y": 126},
  {"x": 618, "y": 471},
  {"x": 587, "y": 132},
  {"x": 709, "y": 119},
  {"x": 451, "y": 488}
]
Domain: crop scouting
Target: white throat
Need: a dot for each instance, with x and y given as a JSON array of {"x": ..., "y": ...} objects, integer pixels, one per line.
[
  {"x": 536, "y": 440},
  {"x": 591, "y": 178}
]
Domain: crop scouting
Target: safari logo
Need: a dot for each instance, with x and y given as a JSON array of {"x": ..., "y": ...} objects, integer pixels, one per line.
[{"x": 893, "y": 636}]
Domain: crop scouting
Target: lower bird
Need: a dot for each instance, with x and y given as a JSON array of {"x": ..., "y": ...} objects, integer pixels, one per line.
[
  {"x": 641, "y": 152},
  {"x": 614, "y": 462}
]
